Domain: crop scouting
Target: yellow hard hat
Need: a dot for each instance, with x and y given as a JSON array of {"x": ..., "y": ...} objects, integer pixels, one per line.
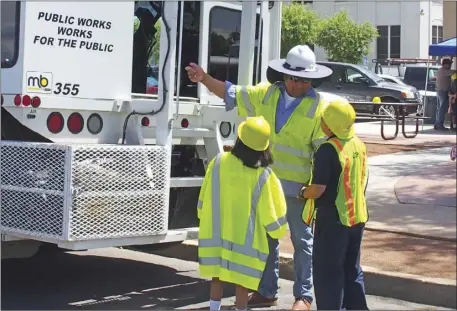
[
  {"x": 340, "y": 117},
  {"x": 376, "y": 100},
  {"x": 254, "y": 132}
]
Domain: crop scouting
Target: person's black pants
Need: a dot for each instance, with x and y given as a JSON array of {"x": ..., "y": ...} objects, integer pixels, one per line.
[{"x": 337, "y": 275}]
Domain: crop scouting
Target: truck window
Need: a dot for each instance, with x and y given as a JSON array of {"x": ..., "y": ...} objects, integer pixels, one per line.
[
  {"x": 224, "y": 42},
  {"x": 10, "y": 32},
  {"x": 146, "y": 47}
]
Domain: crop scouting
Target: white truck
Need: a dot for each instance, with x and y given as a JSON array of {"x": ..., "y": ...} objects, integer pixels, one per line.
[{"x": 88, "y": 159}]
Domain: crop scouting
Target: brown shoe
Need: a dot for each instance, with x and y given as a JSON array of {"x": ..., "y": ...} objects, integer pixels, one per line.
[
  {"x": 301, "y": 304},
  {"x": 257, "y": 300}
]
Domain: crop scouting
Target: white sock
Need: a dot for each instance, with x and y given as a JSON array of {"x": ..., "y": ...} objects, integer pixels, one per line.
[
  {"x": 239, "y": 309},
  {"x": 214, "y": 305}
]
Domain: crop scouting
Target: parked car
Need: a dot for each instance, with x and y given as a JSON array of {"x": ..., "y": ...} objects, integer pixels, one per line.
[
  {"x": 152, "y": 85},
  {"x": 415, "y": 75},
  {"x": 392, "y": 79},
  {"x": 358, "y": 84}
]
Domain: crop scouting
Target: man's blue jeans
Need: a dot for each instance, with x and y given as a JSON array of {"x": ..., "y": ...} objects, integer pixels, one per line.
[
  {"x": 302, "y": 240},
  {"x": 442, "y": 106}
]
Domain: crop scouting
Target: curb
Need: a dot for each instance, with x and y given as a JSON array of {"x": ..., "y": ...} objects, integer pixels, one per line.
[{"x": 409, "y": 287}]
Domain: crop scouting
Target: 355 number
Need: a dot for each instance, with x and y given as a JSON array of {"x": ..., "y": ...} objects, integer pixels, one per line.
[{"x": 67, "y": 88}]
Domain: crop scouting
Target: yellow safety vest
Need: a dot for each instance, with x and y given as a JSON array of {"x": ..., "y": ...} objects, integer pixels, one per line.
[
  {"x": 350, "y": 200},
  {"x": 238, "y": 206},
  {"x": 293, "y": 148}
]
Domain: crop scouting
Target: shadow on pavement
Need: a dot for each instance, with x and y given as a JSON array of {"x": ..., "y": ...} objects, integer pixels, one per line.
[{"x": 69, "y": 281}]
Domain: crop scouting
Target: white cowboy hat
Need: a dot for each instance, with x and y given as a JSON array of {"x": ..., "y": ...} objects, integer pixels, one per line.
[{"x": 300, "y": 62}]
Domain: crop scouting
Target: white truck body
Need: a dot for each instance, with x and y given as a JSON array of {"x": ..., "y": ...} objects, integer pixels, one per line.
[
  {"x": 90, "y": 188},
  {"x": 86, "y": 163}
]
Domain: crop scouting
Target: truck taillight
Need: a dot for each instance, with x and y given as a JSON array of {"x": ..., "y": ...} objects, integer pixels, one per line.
[
  {"x": 17, "y": 100},
  {"x": 36, "y": 102},
  {"x": 26, "y": 100},
  {"x": 75, "y": 123},
  {"x": 94, "y": 123},
  {"x": 184, "y": 123},
  {"x": 145, "y": 121},
  {"x": 55, "y": 122}
]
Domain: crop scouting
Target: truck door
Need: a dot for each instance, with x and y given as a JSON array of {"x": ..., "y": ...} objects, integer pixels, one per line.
[{"x": 219, "y": 44}]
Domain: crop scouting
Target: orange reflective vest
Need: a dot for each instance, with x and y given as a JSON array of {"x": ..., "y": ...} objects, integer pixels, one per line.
[{"x": 350, "y": 200}]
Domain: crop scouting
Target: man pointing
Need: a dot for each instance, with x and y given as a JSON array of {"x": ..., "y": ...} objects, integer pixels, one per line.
[{"x": 293, "y": 109}]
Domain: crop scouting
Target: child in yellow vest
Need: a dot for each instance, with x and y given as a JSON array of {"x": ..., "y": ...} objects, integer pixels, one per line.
[
  {"x": 241, "y": 206},
  {"x": 336, "y": 198}
]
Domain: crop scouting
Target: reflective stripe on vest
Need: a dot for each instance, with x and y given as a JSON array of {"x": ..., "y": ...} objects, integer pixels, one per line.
[
  {"x": 247, "y": 248},
  {"x": 311, "y": 111},
  {"x": 346, "y": 184},
  {"x": 246, "y": 101},
  {"x": 317, "y": 142}
]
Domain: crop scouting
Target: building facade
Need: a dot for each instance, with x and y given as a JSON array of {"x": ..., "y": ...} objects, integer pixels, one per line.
[
  {"x": 406, "y": 28},
  {"x": 449, "y": 19}
]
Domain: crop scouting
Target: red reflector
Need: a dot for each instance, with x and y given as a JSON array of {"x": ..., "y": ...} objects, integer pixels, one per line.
[
  {"x": 184, "y": 123},
  {"x": 55, "y": 122},
  {"x": 145, "y": 121},
  {"x": 75, "y": 123},
  {"x": 26, "y": 100},
  {"x": 36, "y": 102},
  {"x": 17, "y": 100}
]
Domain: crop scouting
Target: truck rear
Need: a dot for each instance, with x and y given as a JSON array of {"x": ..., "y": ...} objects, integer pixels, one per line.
[{"x": 88, "y": 159}]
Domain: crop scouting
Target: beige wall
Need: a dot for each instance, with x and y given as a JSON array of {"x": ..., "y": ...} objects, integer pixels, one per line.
[{"x": 449, "y": 19}]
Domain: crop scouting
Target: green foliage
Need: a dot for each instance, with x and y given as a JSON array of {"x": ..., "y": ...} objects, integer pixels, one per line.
[
  {"x": 300, "y": 25},
  {"x": 344, "y": 40}
]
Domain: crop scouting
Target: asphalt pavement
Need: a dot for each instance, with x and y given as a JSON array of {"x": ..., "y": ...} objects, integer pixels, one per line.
[{"x": 121, "y": 279}]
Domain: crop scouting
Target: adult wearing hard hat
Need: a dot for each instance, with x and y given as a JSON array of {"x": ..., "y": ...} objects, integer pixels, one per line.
[
  {"x": 241, "y": 202},
  {"x": 293, "y": 109},
  {"x": 336, "y": 197}
]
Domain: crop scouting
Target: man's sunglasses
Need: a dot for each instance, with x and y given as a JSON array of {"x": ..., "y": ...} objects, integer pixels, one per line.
[{"x": 296, "y": 79}]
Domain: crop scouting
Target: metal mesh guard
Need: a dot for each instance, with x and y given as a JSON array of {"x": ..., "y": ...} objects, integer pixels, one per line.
[{"x": 111, "y": 191}]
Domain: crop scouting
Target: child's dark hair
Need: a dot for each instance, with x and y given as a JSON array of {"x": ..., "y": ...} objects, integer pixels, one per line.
[{"x": 252, "y": 158}]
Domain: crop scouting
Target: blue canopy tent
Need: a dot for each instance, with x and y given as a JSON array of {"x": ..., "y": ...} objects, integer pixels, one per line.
[{"x": 445, "y": 48}]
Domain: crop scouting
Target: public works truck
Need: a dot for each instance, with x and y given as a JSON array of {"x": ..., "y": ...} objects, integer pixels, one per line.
[{"x": 88, "y": 158}]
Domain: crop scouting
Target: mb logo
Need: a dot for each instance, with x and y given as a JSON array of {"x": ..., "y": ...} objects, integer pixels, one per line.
[{"x": 39, "y": 82}]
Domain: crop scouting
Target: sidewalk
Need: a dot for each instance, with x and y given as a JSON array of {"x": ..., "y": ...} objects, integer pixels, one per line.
[
  {"x": 415, "y": 234},
  {"x": 415, "y": 216}
]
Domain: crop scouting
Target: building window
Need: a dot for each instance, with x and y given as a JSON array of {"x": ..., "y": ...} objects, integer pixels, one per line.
[
  {"x": 224, "y": 44},
  {"x": 10, "y": 32},
  {"x": 389, "y": 41},
  {"x": 382, "y": 42},
  {"x": 437, "y": 34},
  {"x": 437, "y": 37},
  {"x": 395, "y": 36}
]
